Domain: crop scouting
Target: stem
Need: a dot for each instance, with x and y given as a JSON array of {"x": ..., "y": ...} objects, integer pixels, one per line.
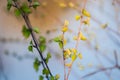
[
  {"x": 28, "y": 23},
  {"x": 63, "y": 56}
]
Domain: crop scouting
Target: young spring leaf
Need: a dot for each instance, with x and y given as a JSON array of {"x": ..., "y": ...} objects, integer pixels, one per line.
[
  {"x": 36, "y": 64},
  {"x": 42, "y": 40},
  {"x": 17, "y": 12},
  {"x": 35, "y": 29},
  {"x": 48, "y": 57},
  {"x": 9, "y": 4},
  {"x": 30, "y": 48},
  {"x": 42, "y": 47},
  {"x": 36, "y": 4},
  {"x": 25, "y": 32},
  {"x": 25, "y": 8},
  {"x": 45, "y": 72},
  {"x": 41, "y": 77},
  {"x": 61, "y": 44}
]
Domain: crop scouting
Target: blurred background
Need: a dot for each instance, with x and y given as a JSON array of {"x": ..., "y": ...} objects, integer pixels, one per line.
[{"x": 103, "y": 39}]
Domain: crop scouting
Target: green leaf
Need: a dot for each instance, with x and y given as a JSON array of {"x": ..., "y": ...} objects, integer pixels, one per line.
[
  {"x": 41, "y": 77},
  {"x": 25, "y": 32},
  {"x": 36, "y": 4},
  {"x": 17, "y": 12},
  {"x": 9, "y": 4},
  {"x": 45, "y": 72},
  {"x": 25, "y": 8},
  {"x": 52, "y": 78},
  {"x": 42, "y": 47},
  {"x": 36, "y": 64},
  {"x": 30, "y": 48},
  {"x": 57, "y": 39},
  {"x": 42, "y": 40},
  {"x": 36, "y": 30},
  {"x": 48, "y": 57},
  {"x": 61, "y": 44}
]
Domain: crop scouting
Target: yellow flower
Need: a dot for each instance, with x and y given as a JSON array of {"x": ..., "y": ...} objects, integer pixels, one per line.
[
  {"x": 86, "y": 13},
  {"x": 82, "y": 37},
  {"x": 87, "y": 21},
  {"x": 65, "y": 27},
  {"x": 62, "y": 5},
  {"x": 71, "y": 4},
  {"x": 77, "y": 17},
  {"x": 68, "y": 51},
  {"x": 74, "y": 50},
  {"x": 65, "y": 42},
  {"x": 80, "y": 56}
]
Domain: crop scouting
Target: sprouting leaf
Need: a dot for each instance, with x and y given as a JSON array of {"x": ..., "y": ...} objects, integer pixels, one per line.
[
  {"x": 48, "y": 57},
  {"x": 35, "y": 29},
  {"x": 36, "y": 64},
  {"x": 9, "y": 4},
  {"x": 80, "y": 56},
  {"x": 45, "y": 72},
  {"x": 57, "y": 76},
  {"x": 30, "y": 48},
  {"x": 42, "y": 47},
  {"x": 77, "y": 17},
  {"x": 61, "y": 44},
  {"x": 25, "y": 32},
  {"x": 57, "y": 39},
  {"x": 52, "y": 78},
  {"x": 86, "y": 13},
  {"x": 25, "y": 8},
  {"x": 42, "y": 40},
  {"x": 62, "y": 5},
  {"x": 36, "y": 4},
  {"x": 17, "y": 12},
  {"x": 41, "y": 77}
]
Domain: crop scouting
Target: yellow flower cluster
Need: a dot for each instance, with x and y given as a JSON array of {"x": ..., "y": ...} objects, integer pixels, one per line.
[{"x": 65, "y": 27}]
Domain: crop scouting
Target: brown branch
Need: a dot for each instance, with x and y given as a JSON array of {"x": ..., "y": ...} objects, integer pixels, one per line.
[
  {"x": 28, "y": 23},
  {"x": 100, "y": 70}
]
